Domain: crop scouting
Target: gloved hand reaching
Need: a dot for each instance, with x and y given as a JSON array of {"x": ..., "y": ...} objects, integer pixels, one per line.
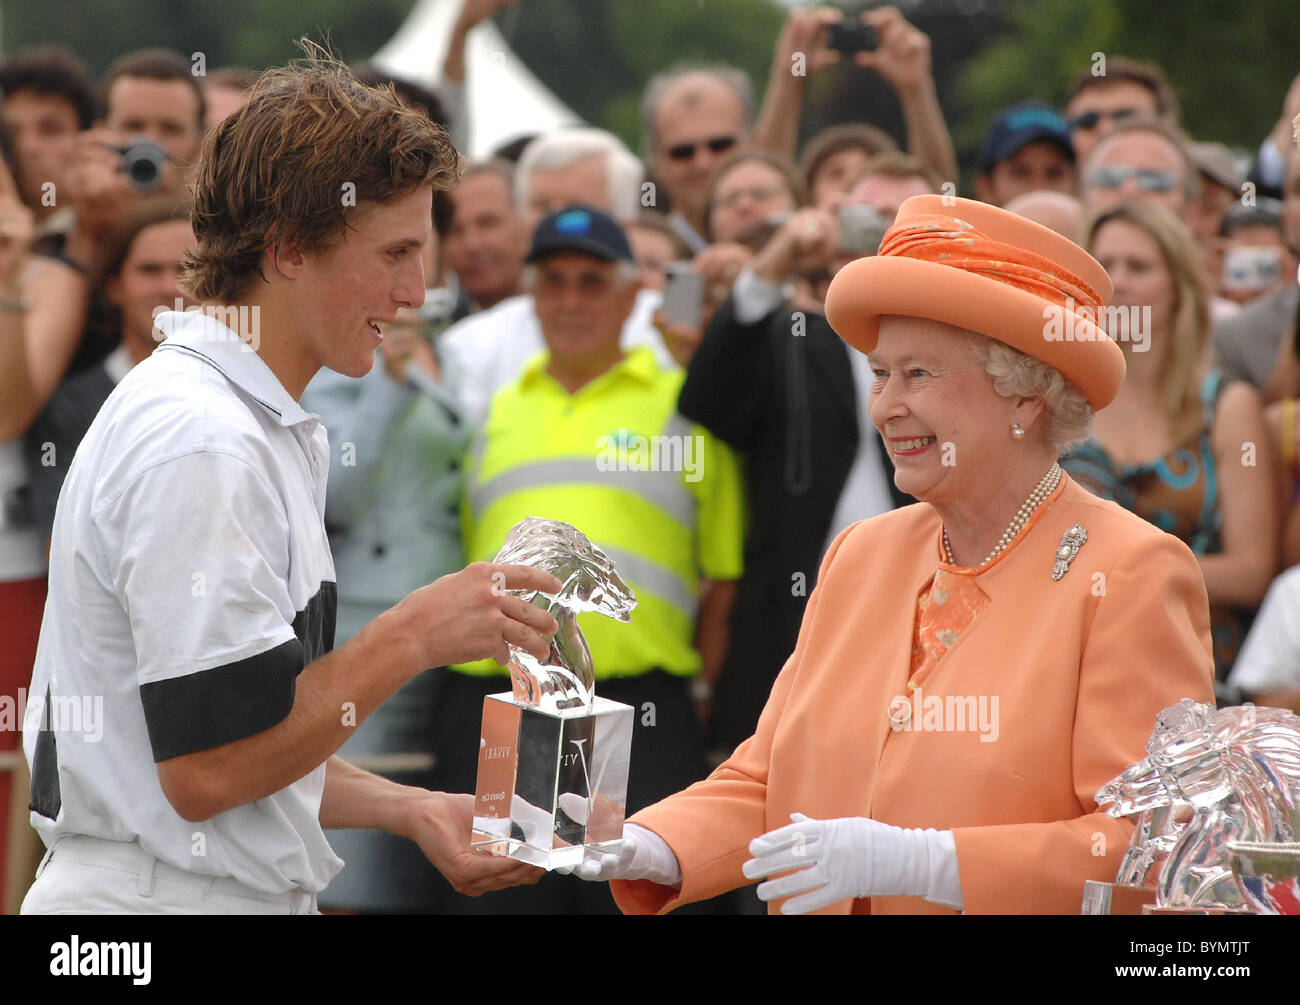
[
  {"x": 851, "y": 857},
  {"x": 642, "y": 854}
]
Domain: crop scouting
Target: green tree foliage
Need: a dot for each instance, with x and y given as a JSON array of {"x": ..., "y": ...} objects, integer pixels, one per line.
[
  {"x": 249, "y": 33},
  {"x": 1230, "y": 64}
]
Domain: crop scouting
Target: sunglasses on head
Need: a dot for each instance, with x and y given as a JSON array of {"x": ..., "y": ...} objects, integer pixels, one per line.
[
  {"x": 1090, "y": 120},
  {"x": 685, "y": 151},
  {"x": 1115, "y": 175}
]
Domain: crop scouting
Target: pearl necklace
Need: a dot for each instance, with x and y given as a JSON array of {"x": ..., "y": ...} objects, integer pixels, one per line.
[{"x": 1044, "y": 489}]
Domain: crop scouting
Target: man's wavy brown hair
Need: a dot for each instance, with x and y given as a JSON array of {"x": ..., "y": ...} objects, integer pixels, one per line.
[{"x": 276, "y": 170}]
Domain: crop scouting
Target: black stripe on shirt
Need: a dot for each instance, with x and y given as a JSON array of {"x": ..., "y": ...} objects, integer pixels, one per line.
[
  {"x": 46, "y": 798},
  {"x": 314, "y": 624},
  {"x": 228, "y": 703},
  {"x": 221, "y": 705}
]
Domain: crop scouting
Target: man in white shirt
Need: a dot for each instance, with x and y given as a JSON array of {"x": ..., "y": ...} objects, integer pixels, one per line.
[
  {"x": 1267, "y": 670},
  {"x": 186, "y": 704},
  {"x": 488, "y": 350}
]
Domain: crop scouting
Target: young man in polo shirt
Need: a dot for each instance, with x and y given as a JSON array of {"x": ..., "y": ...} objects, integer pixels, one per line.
[{"x": 186, "y": 705}]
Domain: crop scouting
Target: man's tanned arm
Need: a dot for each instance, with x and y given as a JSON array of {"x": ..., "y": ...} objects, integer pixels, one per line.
[{"x": 458, "y": 618}]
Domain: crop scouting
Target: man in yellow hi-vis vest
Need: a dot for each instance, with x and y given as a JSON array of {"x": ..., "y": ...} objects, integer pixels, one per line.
[{"x": 589, "y": 434}]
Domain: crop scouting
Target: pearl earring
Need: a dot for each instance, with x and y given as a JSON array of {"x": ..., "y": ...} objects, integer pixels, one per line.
[{"x": 1016, "y": 432}]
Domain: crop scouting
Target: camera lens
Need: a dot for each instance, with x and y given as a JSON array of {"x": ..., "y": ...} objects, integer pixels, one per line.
[
  {"x": 143, "y": 163},
  {"x": 144, "y": 173}
]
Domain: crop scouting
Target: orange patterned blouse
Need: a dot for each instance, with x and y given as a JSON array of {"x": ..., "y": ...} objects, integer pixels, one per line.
[{"x": 951, "y": 601}]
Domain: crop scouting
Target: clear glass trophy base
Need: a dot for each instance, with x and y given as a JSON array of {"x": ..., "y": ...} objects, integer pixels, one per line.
[
  {"x": 551, "y": 784},
  {"x": 1115, "y": 898}
]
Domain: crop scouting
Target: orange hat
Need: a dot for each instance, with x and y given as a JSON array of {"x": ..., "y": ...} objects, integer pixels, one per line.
[{"x": 978, "y": 267}]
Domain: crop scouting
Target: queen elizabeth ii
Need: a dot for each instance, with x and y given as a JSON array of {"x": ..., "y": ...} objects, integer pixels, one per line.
[{"x": 973, "y": 668}]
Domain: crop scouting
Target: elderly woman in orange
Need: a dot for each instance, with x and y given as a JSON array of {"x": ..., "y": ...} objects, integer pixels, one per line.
[{"x": 971, "y": 669}]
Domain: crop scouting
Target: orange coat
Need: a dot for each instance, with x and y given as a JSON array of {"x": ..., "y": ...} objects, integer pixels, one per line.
[{"x": 1080, "y": 668}]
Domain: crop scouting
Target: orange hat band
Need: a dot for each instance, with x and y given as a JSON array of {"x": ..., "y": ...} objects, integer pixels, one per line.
[{"x": 947, "y": 240}]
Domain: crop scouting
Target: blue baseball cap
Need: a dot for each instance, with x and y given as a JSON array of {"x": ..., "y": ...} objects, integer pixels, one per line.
[
  {"x": 1016, "y": 127},
  {"x": 584, "y": 229}
]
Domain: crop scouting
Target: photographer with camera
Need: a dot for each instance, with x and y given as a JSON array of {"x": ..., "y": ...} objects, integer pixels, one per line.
[
  {"x": 749, "y": 194},
  {"x": 49, "y": 99},
  {"x": 144, "y": 147},
  {"x": 748, "y": 197},
  {"x": 881, "y": 40},
  {"x": 147, "y": 143},
  {"x": 785, "y": 256}
]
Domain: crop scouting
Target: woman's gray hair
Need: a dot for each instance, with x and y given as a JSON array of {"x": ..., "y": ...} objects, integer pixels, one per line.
[{"x": 1015, "y": 374}]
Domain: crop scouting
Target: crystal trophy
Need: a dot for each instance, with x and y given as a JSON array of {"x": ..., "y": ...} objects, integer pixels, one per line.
[
  {"x": 1215, "y": 802},
  {"x": 553, "y": 757}
]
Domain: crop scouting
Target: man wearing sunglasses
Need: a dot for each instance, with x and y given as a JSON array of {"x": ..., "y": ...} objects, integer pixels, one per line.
[
  {"x": 1124, "y": 90},
  {"x": 691, "y": 119},
  {"x": 1144, "y": 160}
]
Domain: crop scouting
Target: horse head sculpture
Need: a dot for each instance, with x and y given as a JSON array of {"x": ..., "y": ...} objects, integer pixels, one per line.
[
  {"x": 1209, "y": 778},
  {"x": 566, "y": 678}
]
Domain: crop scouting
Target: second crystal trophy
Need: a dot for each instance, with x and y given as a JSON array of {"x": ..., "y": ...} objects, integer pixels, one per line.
[{"x": 553, "y": 757}]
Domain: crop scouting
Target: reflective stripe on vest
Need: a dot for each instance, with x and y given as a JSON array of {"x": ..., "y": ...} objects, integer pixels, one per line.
[
  {"x": 663, "y": 582},
  {"x": 663, "y": 489}
]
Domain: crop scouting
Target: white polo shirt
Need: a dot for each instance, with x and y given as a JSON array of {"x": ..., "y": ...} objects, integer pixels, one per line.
[{"x": 190, "y": 582}]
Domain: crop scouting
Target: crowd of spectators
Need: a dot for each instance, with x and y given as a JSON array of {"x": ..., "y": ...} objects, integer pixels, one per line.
[{"x": 582, "y": 295}]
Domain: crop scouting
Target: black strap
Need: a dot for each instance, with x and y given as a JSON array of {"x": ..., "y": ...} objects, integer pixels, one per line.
[{"x": 798, "y": 418}]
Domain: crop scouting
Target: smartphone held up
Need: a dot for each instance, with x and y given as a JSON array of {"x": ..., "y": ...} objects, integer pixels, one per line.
[{"x": 683, "y": 302}]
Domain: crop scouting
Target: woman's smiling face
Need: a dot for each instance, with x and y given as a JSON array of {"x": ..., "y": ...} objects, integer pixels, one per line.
[{"x": 944, "y": 425}]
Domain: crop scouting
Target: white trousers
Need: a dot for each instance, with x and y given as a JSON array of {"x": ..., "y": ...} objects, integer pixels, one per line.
[{"x": 86, "y": 875}]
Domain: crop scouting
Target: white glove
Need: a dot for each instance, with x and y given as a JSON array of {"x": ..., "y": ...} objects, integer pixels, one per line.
[
  {"x": 535, "y": 822},
  {"x": 642, "y": 854},
  {"x": 575, "y": 807},
  {"x": 852, "y": 857}
]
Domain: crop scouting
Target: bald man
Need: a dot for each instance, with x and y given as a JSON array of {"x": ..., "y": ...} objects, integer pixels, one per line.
[
  {"x": 1054, "y": 210},
  {"x": 692, "y": 119}
]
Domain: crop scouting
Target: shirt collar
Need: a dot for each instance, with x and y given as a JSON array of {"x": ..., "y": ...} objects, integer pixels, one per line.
[
  {"x": 639, "y": 364},
  {"x": 117, "y": 364},
  {"x": 206, "y": 337}
]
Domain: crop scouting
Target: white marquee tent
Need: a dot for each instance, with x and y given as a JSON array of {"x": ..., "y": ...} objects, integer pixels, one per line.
[{"x": 503, "y": 100}]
